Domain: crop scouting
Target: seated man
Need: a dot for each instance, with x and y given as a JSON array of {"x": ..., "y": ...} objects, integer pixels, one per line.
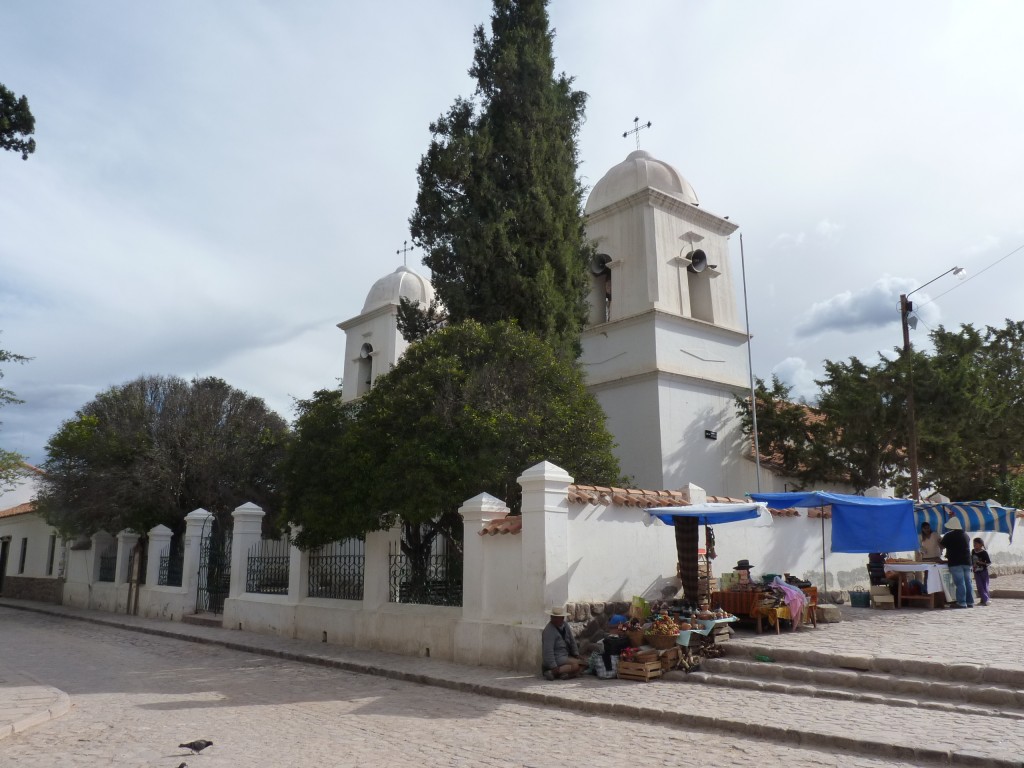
[{"x": 560, "y": 652}]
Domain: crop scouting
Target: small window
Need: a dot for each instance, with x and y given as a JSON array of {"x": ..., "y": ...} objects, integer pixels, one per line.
[
  {"x": 24, "y": 554},
  {"x": 50, "y": 553}
]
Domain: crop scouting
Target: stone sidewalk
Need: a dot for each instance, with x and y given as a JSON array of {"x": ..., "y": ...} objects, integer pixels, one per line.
[
  {"x": 25, "y": 702},
  {"x": 971, "y": 646}
]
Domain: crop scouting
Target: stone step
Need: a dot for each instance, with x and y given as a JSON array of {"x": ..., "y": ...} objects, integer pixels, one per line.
[
  {"x": 821, "y": 691},
  {"x": 203, "y": 619},
  {"x": 982, "y": 694},
  {"x": 981, "y": 675}
]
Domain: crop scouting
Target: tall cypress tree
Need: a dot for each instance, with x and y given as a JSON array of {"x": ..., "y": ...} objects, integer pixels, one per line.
[{"x": 499, "y": 209}]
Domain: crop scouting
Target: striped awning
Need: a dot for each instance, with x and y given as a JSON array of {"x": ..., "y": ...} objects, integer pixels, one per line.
[{"x": 973, "y": 516}]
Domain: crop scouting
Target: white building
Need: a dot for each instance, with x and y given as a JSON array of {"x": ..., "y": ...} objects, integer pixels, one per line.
[
  {"x": 31, "y": 551},
  {"x": 664, "y": 352}
]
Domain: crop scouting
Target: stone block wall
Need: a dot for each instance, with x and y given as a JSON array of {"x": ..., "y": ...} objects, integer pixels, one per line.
[{"x": 30, "y": 588}]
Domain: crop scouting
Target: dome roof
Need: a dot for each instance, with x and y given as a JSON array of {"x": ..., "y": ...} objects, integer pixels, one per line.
[
  {"x": 402, "y": 282},
  {"x": 639, "y": 171}
]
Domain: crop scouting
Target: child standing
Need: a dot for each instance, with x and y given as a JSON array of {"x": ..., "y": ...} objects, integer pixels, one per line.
[{"x": 980, "y": 561}]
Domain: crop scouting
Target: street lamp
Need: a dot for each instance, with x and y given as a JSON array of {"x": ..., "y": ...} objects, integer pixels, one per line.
[{"x": 906, "y": 307}]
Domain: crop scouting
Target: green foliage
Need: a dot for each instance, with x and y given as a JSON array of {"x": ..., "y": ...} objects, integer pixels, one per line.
[
  {"x": 969, "y": 414},
  {"x": 467, "y": 410},
  {"x": 10, "y": 462},
  {"x": 499, "y": 208},
  {"x": 416, "y": 322},
  {"x": 784, "y": 430},
  {"x": 320, "y": 481},
  {"x": 150, "y": 451},
  {"x": 858, "y": 437},
  {"x": 970, "y": 406},
  {"x": 16, "y": 124}
]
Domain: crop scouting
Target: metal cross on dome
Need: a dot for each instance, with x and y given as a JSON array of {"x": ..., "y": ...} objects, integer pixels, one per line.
[
  {"x": 637, "y": 127},
  {"x": 404, "y": 250}
]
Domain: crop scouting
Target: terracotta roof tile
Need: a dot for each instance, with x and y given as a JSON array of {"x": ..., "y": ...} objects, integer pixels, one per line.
[
  {"x": 20, "y": 509},
  {"x": 627, "y": 497},
  {"x": 508, "y": 524}
]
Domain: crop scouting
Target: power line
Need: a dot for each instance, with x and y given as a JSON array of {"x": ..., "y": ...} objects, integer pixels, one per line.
[{"x": 971, "y": 277}]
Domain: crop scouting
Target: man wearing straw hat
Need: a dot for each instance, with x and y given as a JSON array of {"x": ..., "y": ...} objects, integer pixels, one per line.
[{"x": 561, "y": 654}]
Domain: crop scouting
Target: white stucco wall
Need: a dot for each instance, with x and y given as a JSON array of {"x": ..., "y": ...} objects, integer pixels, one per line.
[
  {"x": 35, "y": 531},
  {"x": 616, "y": 552}
]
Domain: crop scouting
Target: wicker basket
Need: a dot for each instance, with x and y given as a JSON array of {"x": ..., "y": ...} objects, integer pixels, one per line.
[
  {"x": 636, "y": 637},
  {"x": 662, "y": 642}
]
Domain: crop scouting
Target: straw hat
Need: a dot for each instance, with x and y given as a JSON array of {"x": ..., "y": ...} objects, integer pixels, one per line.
[
  {"x": 953, "y": 525},
  {"x": 556, "y": 611}
]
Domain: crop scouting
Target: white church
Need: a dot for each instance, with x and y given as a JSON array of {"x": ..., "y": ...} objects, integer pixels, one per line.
[{"x": 664, "y": 350}]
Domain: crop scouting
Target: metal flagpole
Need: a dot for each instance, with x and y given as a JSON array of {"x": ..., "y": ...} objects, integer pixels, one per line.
[{"x": 750, "y": 367}]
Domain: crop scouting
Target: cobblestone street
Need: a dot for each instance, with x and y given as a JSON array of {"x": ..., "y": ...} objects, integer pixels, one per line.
[{"x": 136, "y": 696}]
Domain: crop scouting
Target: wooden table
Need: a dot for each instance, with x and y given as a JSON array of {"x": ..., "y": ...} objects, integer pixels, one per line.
[
  {"x": 936, "y": 593},
  {"x": 747, "y": 604}
]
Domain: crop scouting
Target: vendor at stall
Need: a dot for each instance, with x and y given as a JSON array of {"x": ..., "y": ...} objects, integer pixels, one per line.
[
  {"x": 930, "y": 548},
  {"x": 743, "y": 568}
]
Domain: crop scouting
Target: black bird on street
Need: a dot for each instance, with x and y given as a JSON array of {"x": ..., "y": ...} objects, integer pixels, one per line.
[{"x": 196, "y": 746}]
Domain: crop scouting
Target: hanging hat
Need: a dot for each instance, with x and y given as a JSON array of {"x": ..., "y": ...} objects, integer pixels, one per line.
[
  {"x": 953, "y": 524},
  {"x": 556, "y": 611},
  {"x": 742, "y": 565}
]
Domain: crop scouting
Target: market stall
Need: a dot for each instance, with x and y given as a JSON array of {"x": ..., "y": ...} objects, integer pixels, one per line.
[
  {"x": 980, "y": 516},
  {"x": 860, "y": 524},
  {"x": 756, "y": 601},
  {"x": 686, "y": 522}
]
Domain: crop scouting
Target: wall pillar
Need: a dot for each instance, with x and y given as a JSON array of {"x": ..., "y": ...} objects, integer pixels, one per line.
[
  {"x": 196, "y": 522},
  {"x": 298, "y": 570},
  {"x": 377, "y": 568},
  {"x": 159, "y": 540},
  {"x": 248, "y": 530},
  {"x": 476, "y": 513},
  {"x": 545, "y": 565}
]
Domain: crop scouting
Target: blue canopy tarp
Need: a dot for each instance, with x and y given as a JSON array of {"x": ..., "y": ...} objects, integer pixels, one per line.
[
  {"x": 859, "y": 523},
  {"x": 973, "y": 516},
  {"x": 713, "y": 513}
]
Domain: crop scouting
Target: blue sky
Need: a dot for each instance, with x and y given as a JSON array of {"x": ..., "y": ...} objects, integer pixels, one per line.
[{"x": 218, "y": 184}]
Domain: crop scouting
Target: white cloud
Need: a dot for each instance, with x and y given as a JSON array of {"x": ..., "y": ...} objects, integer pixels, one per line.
[
  {"x": 828, "y": 229},
  {"x": 876, "y": 306}
]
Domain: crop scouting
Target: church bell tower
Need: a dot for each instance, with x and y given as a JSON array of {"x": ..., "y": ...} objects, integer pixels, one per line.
[{"x": 663, "y": 350}]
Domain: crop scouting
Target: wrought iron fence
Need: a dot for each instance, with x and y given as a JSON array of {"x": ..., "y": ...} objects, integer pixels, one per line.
[
  {"x": 336, "y": 570},
  {"x": 267, "y": 570},
  {"x": 108, "y": 565},
  {"x": 434, "y": 579},
  {"x": 171, "y": 565},
  {"x": 214, "y": 575}
]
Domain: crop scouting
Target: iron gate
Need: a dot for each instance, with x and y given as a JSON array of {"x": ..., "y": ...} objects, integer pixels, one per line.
[{"x": 214, "y": 567}]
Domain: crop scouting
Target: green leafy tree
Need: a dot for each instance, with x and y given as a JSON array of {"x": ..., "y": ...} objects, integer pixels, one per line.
[
  {"x": 969, "y": 415},
  {"x": 499, "y": 208},
  {"x": 859, "y": 436},
  {"x": 970, "y": 411},
  {"x": 466, "y": 410},
  {"x": 784, "y": 429},
  {"x": 150, "y": 451},
  {"x": 416, "y": 321},
  {"x": 16, "y": 124},
  {"x": 10, "y": 462}
]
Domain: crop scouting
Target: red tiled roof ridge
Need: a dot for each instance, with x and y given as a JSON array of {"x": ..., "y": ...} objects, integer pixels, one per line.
[{"x": 19, "y": 509}]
